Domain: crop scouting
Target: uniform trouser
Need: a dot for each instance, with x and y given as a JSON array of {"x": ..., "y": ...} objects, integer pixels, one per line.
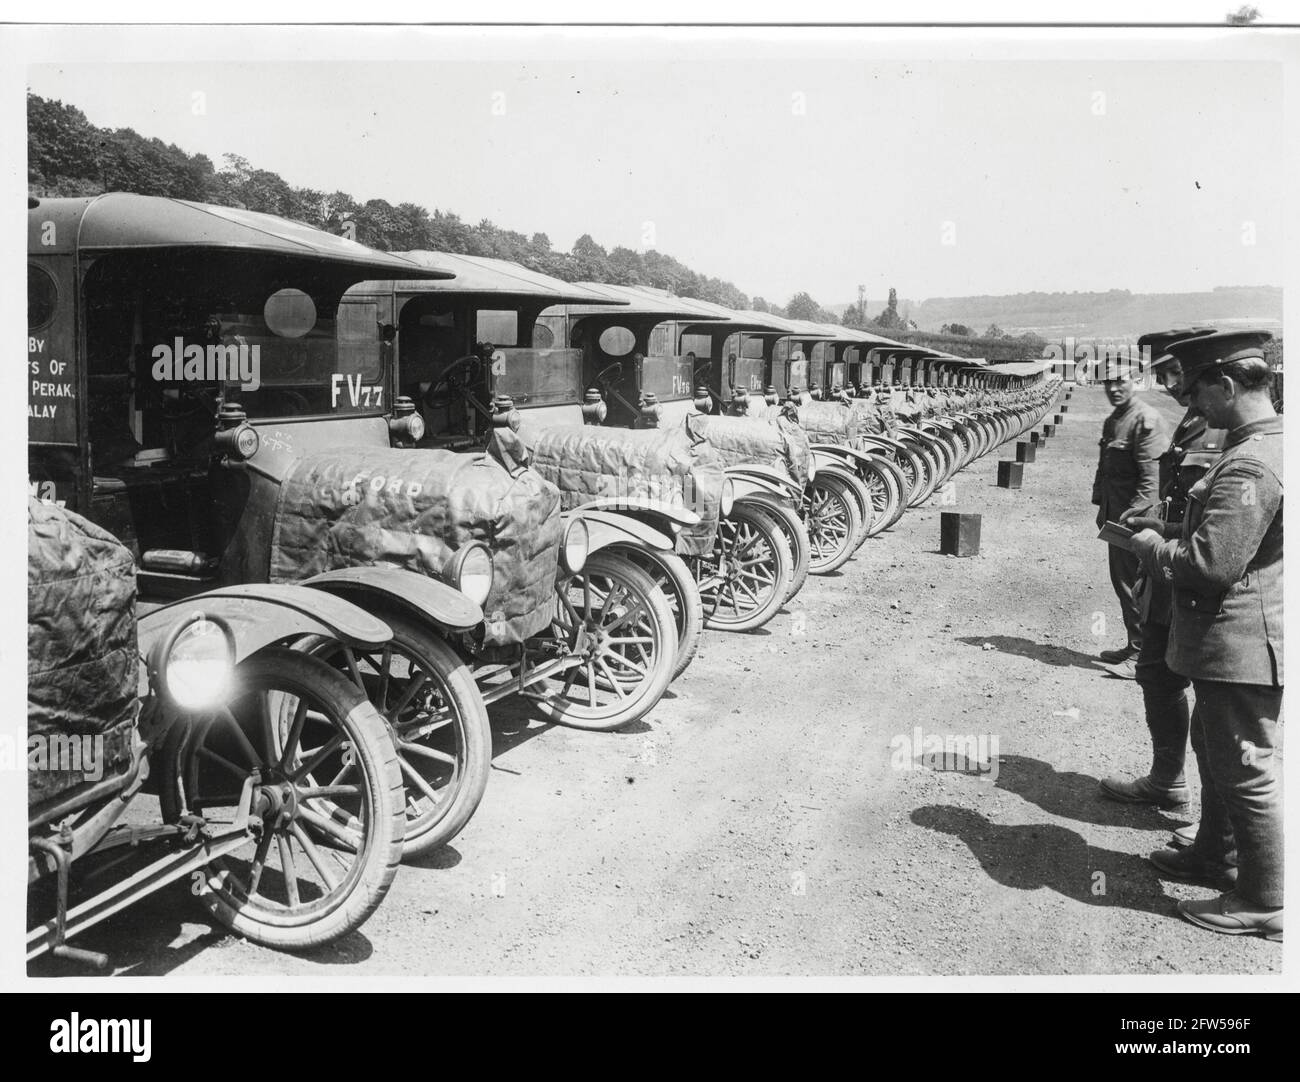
[
  {"x": 1233, "y": 732},
  {"x": 1123, "y": 576},
  {"x": 1168, "y": 713}
]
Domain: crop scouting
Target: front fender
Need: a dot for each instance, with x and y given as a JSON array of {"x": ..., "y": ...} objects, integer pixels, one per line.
[
  {"x": 743, "y": 486},
  {"x": 849, "y": 456},
  {"x": 883, "y": 443},
  {"x": 642, "y": 505},
  {"x": 767, "y": 478},
  {"x": 427, "y": 600},
  {"x": 608, "y": 528},
  {"x": 267, "y": 613},
  {"x": 837, "y": 469}
]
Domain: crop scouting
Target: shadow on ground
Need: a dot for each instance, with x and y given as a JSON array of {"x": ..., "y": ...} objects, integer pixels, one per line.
[
  {"x": 1041, "y": 855},
  {"x": 1060, "y": 656}
]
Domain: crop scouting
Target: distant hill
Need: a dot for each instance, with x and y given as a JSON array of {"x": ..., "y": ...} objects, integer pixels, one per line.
[{"x": 1116, "y": 313}]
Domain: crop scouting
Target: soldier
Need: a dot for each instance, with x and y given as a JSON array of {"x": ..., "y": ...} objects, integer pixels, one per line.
[
  {"x": 1128, "y": 478},
  {"x": 1226, "y": 572},
  {"x": 1194, "y": 448}
]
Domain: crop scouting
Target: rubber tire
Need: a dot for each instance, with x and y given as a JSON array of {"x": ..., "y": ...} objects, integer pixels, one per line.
[
  {"x": 457, "y": 683},
  {"x": 862, "y": 495},
  {"x": 671, "y": 573},
  {"x": 476, "y": 759},
  {"x": 376, "y": 757},
  {"x": 911, "y": 469},
  {"x": 930, "y": 470},
  {"x": 841, "y": 489},
  {"x": 783, "y": 572},
  {"x": 648, "y": 691},
  {"x": 900, "y": 486},
  {"x": 885, "y": 475},
  {"x": 796, "y": 536}
]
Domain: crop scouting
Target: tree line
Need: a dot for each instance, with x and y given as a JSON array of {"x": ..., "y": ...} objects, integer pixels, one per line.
[{"x": 70, "y": 156}]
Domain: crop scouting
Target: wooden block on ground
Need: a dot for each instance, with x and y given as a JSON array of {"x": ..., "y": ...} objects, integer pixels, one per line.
[
  {"x": 1010, "y": 474},
  {"x": 959, "y": 533},
  {"x": 1026, "y": 451}
]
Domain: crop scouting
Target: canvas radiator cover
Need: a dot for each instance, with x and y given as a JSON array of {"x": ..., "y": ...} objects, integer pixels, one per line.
[
  {"x": 769, "y": 440},
  {"x": 82, "y": 658},
  {"x": 669, "y": 465},
  {"x": 412, "y": 509},
  {"x": 829, "y": 422},
  {"x": 872, "y": 417}
]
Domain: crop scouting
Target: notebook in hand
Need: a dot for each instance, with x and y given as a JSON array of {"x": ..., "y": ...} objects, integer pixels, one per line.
[{"x": 1115, "y": 534}]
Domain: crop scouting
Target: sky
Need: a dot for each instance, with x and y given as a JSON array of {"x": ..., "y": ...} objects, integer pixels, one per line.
[{"x": 818, "y": 160}]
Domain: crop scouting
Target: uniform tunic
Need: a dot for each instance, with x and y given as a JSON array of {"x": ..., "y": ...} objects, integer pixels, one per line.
[
  {"x": 1128, "y": 476},
  {"x": 1226, "y": 571},
  {"x": 1128, "y": 467},
  {"x": 1226, "y": 636}
]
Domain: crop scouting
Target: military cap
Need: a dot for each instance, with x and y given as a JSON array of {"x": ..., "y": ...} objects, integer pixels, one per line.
[
  {"x": 1158, "y": 342},
  {"x": 1207, "y": 352}
]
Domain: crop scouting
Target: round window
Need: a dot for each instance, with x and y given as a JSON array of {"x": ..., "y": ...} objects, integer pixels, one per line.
[
  {"x": 617, "y": 341},
  {"x": 41, "y": 296},
  {"x": 289, "y": 313},
  {"x": 543, "y": 336}
]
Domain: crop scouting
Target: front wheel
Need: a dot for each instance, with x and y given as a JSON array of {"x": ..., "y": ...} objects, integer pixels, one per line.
[
  {"x": 834, "y": 519},
  {"x": 746, "y": 578},
  {"x": 614, "y": 625},
  {"x": 885, "y": 489},
  {"x": 327, "y": 792},
  {"x": 679, "y": 587},
  {"x": 438, "y": 722},
  {"x": 796, "y": 536}
]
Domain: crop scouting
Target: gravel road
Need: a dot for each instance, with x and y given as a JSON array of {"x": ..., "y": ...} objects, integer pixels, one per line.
[{"x": 775, "y": 814}]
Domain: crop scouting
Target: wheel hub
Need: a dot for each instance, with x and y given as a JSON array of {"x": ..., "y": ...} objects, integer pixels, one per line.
[{"x": 277, "y": 804}]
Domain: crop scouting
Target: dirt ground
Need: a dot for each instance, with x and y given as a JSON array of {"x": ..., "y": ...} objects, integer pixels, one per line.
[{"x": 776, "y": 815}]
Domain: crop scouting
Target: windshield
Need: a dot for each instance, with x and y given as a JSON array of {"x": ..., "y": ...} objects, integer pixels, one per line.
[
  {"x": 539, "y": 377},
  {"x": 198, "y": 329}
]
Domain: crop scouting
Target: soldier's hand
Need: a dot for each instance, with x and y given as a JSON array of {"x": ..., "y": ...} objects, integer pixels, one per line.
[
  {"x": 1136, "y": 512},
  {"x": 1142, "y": 522},
  {"x": 1145, "y": 541}
]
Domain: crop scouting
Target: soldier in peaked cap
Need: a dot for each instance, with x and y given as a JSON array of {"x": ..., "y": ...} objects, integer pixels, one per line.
[
  {"x": 1194, "y": 448},
  {"x": 1225, "y": 568},
  {"x": 1127, "y": 478}
]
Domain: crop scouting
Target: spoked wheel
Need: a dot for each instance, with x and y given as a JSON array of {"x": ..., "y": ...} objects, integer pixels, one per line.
[
  {"x": 796, "y": 536},
  {"x": 745, "y": 579},
  {"x": 886, "y": 498},
  {"x": 615, "y": 622},
  {"x": 682, "y": 593},
  {"x": 327, "y": 789},
  {"x": 834, "y": 521},
  {"x": 913, "y": 474},
  {"x": 927, "y": 474},
  {"x": 438, "y": 722},
  {"x": 898, "y": 482},
  {"x": 943, "y": 451},
  {"x": 962, "y": 447}
]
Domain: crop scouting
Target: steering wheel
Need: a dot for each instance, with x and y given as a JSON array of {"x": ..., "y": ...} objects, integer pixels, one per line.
[
  {"x": 609, "y": 374},
  {"x": 190, "y": 400},
  {"x": 459, "y": 374}
]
